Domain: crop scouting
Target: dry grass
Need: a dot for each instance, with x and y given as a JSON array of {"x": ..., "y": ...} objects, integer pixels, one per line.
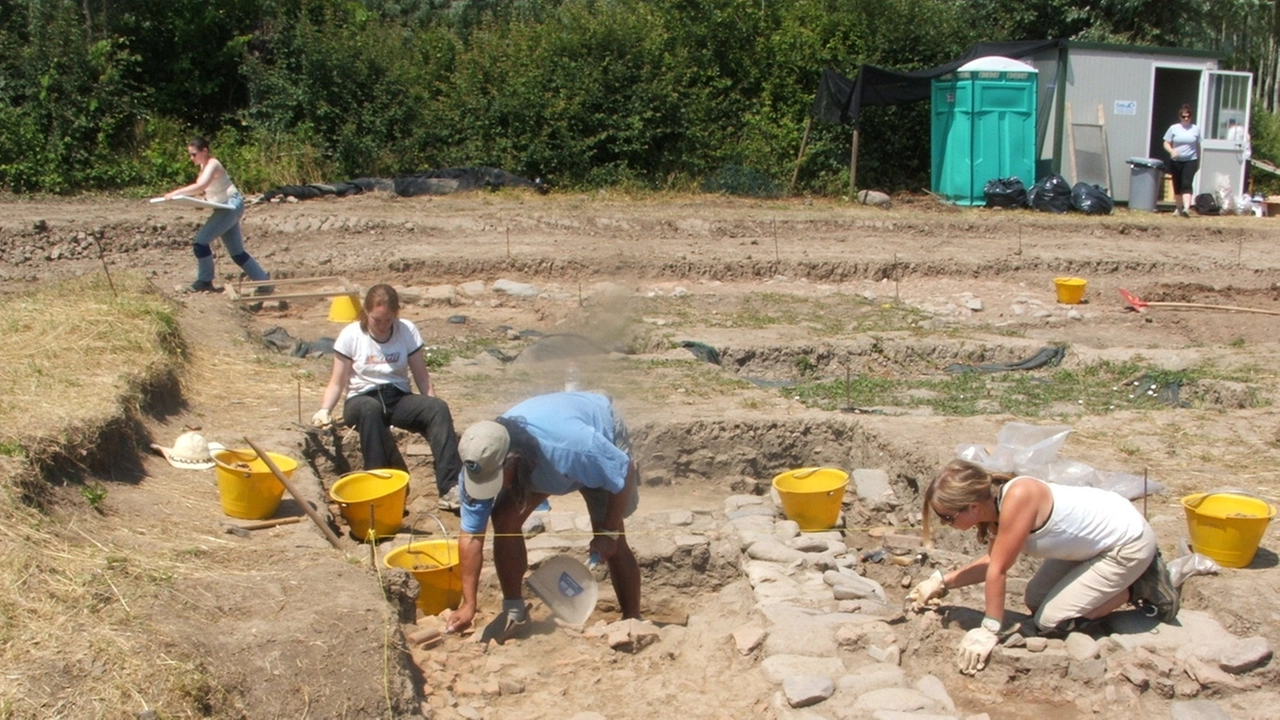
[
  {"x": 78, "y": 364},
  {"x": 75, "y": 357}
]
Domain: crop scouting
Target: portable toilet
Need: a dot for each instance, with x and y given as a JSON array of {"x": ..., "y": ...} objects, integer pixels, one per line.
[{"x": 983, "y": 127}]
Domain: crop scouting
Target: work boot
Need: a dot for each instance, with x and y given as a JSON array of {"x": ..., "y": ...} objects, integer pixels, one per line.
[
  {"x": 202, "y": 286},
  {"x": 450, "y": 501},
  {"x": 1154, "y": 594}
]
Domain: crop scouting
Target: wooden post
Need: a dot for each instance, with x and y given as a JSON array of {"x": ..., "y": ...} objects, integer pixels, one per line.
[
  {"x": 306, "y": 506},
  {"x": 853, "y": 165},
  {"x": 804, "y": 143}
]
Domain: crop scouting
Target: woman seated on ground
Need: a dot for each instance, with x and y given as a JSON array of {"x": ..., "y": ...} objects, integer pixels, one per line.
[
  {"x": 373, "y": 359},
  {"x": 1099, "y": 553}
]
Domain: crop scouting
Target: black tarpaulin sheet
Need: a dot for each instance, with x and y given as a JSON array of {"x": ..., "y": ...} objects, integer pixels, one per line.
[{"x": 840, "y": 100}]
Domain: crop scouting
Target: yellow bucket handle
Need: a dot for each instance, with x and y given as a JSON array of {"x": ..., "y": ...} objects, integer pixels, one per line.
[
  {"x": 238, "y": 453},
  {"x": 1226, "y": 491},
  {"x": 443, "y": 532}
]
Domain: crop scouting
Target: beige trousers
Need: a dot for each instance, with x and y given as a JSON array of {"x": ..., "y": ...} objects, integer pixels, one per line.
[{"x": 1063, "y": 590}]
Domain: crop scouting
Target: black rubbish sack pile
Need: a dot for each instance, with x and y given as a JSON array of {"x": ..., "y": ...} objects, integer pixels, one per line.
[
  {"x": 427, "y": 182},
  {"x": 1091, "y": 199},
  {"x": 1051, "y": 194},
  {"x": 1005, "y": 193}
]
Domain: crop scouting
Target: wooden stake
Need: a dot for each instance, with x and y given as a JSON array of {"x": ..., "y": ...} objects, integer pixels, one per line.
[
  {"x": 776, "y": 257},
  {"x": 804, "y": 142},
  {"x": 102, "y": 258},
  {"x": 306, "y": 506},
  {"x": 853, "y": 166}
]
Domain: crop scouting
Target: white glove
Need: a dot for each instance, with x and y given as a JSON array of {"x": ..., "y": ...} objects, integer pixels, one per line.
[
  {"x": 975, "y": 648},
  {"x": 322, "y": 418},
  {"x": 927, "y": 593}
]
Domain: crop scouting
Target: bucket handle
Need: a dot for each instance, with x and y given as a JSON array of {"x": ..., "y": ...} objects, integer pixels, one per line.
[
  {"x": 1226, "y": 491},
  {"x": 443, "y": 533},
  {"x": 233, "y": 469},
  {"x": 801, "y": 474}
]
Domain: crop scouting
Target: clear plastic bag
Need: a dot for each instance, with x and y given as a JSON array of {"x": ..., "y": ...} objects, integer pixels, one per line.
[{"x": 1190, "y": 563}]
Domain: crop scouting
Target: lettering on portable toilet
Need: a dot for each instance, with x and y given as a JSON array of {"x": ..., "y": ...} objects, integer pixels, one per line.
[{"x": 1125, "y": 107}]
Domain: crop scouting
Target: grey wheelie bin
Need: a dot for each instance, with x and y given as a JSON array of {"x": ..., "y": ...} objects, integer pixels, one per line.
[{"x": 1146, "y": 175}]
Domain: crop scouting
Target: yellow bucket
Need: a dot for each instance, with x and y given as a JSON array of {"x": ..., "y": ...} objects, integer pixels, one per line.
[
  {"x": 246, "y": 486},
  {"x": 1227, "y": 526},
  {"x": 812, "y": 496},
  {"x": 1070, "y": 289},
  {"x": 344, "y": 308},
  {"x": 434, "y": 564},
  {"x": 372, "y": 499}
]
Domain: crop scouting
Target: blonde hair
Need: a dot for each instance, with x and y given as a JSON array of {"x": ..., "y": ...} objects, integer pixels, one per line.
[
  {"x": 959, "y": 484},
  {"x": 381, "y": 295}
]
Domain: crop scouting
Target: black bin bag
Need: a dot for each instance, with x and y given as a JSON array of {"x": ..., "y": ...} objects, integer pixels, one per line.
[
  {"x": 1050, "y": 194},
  {"x": 1005, "y": 193},
  {"x": 1091, "y": 199}
]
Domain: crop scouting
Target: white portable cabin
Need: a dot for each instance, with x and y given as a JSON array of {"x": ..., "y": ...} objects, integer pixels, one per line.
[{"x": 1102, "y": 104}]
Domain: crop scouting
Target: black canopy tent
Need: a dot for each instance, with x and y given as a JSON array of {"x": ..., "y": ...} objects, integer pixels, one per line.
[{"x": 841, "y": 100}]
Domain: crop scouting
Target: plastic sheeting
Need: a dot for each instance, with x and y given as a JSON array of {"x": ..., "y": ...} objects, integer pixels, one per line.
[{"x": 1025, "y": 449}]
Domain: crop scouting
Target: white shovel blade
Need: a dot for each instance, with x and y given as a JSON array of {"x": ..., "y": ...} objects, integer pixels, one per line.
[{"x": 567, "y": 587}]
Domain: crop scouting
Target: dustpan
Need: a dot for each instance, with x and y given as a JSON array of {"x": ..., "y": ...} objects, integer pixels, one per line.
[{"x": 567, "y": 587}]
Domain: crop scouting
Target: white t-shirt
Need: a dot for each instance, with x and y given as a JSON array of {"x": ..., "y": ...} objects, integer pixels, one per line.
[
  {"x": 374, "y": 363},
  {"x": 1185, "y": 141},
  {"x": 1085, "y": 522}
]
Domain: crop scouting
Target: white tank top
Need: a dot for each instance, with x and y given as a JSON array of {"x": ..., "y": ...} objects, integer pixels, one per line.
[
  {"x": 220, "y": 188},
  {"x": 1084, "y": 522}
]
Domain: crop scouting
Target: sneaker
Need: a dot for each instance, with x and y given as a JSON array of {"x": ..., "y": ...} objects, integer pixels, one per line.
[
  {"x": 450, "y": 501},
  {"x": 1154, "y": 594},
  {"x": 1184, "y": 213},
  {"x": 202, "y": 286}
]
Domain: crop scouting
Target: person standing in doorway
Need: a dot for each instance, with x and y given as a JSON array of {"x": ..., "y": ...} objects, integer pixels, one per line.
[
  {"x": 217, "y": 187},
  {"x": 1182, "y": 142}
]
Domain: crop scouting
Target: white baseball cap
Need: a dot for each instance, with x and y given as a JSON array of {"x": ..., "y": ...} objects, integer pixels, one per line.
[{"x": 483, "y": 449}]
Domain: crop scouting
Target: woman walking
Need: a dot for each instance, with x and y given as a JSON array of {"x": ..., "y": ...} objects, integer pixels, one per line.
[
  {"x": 217, "y": 187},
  {"x": 1182, "y": 142}
]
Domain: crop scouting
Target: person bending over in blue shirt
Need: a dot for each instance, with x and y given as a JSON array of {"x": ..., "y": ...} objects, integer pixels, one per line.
[{"x": 547, "y": 445}]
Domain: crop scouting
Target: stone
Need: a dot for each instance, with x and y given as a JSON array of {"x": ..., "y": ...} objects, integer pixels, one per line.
[
  {"x": 1050, "y": 662},
  {"x": 771, "y": 550},
  {"x": 811, "y": 637},
  {"x": 872, "y": 485},
  {"x": 848, "y": 585},
  {"x": 748, "y": 638},
  {"x": 515, "y": 289},
  {"x": 631, "y": 635},
  {"x": 1089, "y": 671},
  {"x": 932, "y": 687},
  {"x": 475, "y": 288},
  {"x": 873, "y": 677},
  {"x": 806, "y": 690},
  {"x": 900, "y": 699},
  {"x": 1240, "y": 656},
  {"x": 1196, "y": 710},
  {"x": 779, "y": 667},
  {"x": 875, "y": 198},
  {"x": 1036, "y": 644},
  {"x": 1081, "y": 647},
  {"x": 891, "y": 655}
]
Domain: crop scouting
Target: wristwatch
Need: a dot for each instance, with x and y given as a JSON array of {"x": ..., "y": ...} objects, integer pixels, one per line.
[{"x": 991, "y": 625}]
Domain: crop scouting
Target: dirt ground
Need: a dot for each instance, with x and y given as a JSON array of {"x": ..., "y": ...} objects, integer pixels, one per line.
[{"x": 280, "y": 624}]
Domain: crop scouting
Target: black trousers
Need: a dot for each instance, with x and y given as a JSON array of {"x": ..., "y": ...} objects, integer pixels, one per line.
[{"x": 373, "y": 414}]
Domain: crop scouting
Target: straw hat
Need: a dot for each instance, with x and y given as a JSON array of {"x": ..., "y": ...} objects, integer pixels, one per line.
[{"x": 189, "y": 452}]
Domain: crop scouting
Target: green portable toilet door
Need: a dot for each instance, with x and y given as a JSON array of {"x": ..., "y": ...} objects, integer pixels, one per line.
[
  {"x": 951, "y": 172},
  {"x": 1004, "y": 130}
]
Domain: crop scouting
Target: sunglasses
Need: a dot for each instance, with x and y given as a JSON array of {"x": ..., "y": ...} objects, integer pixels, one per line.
[
  {"x": 947, "y": 519},
  {"x": 1185, "y": 117}
]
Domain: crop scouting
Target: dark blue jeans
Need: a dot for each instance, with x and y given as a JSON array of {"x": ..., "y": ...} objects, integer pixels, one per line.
[{"x": 373, "y": 414}]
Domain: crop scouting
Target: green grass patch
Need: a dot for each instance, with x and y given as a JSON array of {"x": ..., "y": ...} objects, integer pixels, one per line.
[{"x": 1098, "y": 388}]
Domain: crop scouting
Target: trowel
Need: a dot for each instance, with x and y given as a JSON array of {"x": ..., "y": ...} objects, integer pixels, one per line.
[{"x": 567, "y": 586}]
